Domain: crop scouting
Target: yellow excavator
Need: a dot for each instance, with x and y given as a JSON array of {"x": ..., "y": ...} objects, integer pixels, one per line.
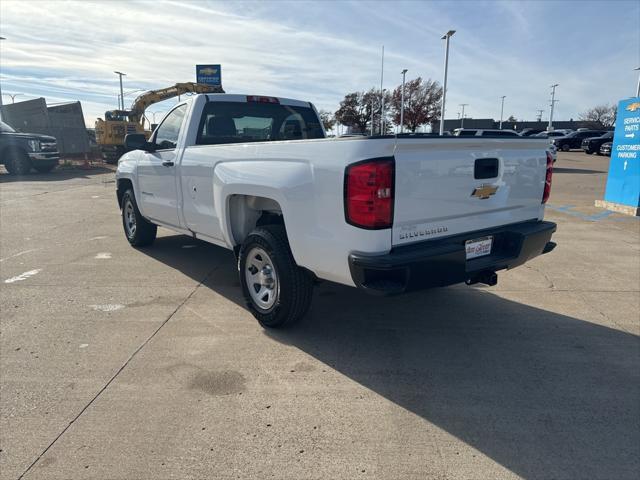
[{"x": 111, "y": 131}]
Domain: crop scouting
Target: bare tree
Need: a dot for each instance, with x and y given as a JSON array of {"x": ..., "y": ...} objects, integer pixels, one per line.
[
  {"x": 421, "y": 103},
  {"x": 328, "y": 120},
  {"x": 356, "y": 107},
  {"x": 600, "y": 116}
]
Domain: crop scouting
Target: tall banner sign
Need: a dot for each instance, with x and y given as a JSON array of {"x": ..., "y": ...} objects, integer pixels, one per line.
[{"x": 623, "y": 181}]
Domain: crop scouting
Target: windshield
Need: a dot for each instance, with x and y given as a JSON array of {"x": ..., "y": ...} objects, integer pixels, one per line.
[
  {"x": 4, "y": 128},
  {"x": 239, "y": 122}
]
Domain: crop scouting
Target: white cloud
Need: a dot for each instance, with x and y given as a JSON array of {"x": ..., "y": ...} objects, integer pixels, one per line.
[{"x": 69, "y": 50}]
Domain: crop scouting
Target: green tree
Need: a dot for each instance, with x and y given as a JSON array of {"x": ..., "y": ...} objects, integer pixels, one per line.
[
  {"x": 356, "y": 107},
  {"x": 328, "y": 120},
  {"x": 422, "y": 101}
]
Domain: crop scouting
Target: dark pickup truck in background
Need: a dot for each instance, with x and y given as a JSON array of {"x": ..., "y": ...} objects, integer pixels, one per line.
[
  {"x": 592, "y": 144},
  {"x": 20, "y": 152},
  {"x": 574, "y": 139}
]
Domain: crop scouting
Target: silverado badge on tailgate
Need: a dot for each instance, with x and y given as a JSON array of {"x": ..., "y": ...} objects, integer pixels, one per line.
[{"x": 485, "y": 191}]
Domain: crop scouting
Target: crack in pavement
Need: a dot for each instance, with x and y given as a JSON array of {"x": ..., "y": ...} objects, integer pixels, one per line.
[{"x": 124, "y": 365}]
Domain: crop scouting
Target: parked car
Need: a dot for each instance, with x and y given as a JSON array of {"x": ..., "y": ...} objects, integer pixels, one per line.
[
  {"x": 527, "y": 132},
  {"x": 256, "y": 175},
  {"x": 553, "y": 134},
  {"x": 592, "y": 144},
  {"x": 605, "y": 149},
  {"x": 574, "y": 139},
  {"x": 19, "y": 152},
  {"x": 484, "y": 132}
]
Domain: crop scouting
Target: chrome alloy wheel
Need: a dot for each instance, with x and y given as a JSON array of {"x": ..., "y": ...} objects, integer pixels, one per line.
[
  {"x": 129, "y": 218},
  {"x": 262, "y": 278}
]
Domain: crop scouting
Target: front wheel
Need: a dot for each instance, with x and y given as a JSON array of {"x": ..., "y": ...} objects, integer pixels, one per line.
[
  {"x": 566, "y": 148},
  {"x": 277, "y": 291},
  {"x": 18, "y": 162},
  {"x": 139, "y": 231}
]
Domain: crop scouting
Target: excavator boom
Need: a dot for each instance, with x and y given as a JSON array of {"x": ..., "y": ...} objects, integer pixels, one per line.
[
  {"x": 111, "y": 131},
  {"x": 154, "y": 96}
]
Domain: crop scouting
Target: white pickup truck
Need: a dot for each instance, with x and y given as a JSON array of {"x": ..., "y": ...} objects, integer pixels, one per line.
[{"x": 386, "y": 214}]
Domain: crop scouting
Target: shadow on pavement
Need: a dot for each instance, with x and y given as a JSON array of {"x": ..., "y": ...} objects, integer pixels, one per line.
[
  {"x": 543, "y": 394},
  {"x": 56, "y": 175},
  {"x": 576, "y": 170}
]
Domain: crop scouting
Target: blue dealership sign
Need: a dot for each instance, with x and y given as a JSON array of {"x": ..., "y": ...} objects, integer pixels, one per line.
[
  {"x": 623, "y": 181},
  {"x": 209, "y": 74}
]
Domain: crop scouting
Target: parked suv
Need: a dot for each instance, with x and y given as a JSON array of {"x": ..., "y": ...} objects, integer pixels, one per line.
[
  {"x": 484, "y": 132},
  {"x": 592, "y": 144},
  {"x": 574, "y": 139},
  {"x": 19, "y": 152}
]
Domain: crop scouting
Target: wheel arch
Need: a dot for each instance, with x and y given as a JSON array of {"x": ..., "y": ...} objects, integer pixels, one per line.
[
  {"x": 123, "y": 184},
  {"x": 245, "y": 212}
]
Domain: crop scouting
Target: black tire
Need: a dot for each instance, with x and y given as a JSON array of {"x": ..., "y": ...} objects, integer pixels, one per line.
[
  {"x": 17, "y": 162},
  {"x": 588, "y": 152},
  {"x": 45, "y": 167},
  {"x": 566, "y": 148},
  {"x": 139, "y": 231},
  {"x": 294, "y": 284}
]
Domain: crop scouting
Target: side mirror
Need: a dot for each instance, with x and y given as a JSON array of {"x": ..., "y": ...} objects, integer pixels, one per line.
[{"x": 137, "y": 141}]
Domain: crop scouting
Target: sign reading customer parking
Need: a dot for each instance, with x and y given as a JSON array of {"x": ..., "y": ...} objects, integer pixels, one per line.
[
  {"x": 623, "y": 181},
  {"x": 209, "y": 74}
]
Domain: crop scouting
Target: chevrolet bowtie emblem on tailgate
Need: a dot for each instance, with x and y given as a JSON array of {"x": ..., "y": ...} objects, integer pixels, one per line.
[{"x": 483, "y": 192}]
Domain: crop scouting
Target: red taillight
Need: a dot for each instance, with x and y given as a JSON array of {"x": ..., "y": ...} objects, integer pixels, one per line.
[
  {"x": 258, "y": 99},
  {"x": 369, "y": 193},
  {"x": 547, "y": 179}
]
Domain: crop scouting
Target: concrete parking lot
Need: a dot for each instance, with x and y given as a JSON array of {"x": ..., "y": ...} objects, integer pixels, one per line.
[{"x": 143, "y": 364}]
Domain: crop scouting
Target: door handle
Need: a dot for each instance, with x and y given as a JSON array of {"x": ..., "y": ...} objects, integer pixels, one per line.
[{"x": 167, "y": 163}]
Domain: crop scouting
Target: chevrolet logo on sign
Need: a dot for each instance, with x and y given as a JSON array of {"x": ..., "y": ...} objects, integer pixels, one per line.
[
  {"x": 632, "y": 107},
  {"x": 483, "y": 192},
  {"x": 207, "y": 71}
]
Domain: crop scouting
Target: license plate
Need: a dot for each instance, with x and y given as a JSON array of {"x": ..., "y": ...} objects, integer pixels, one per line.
[{"x": 478, "y": 247}]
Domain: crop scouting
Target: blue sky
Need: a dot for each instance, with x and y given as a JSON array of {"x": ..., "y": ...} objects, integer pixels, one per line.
[{"x": 319, "y": 51}]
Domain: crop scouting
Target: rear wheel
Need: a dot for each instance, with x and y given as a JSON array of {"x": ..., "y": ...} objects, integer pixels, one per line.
[
  {"x": 566, "y": 148},
  {"x": 278, "y": 292},
  {"x": 17, "y": 162},
  {"x": 139, "y": 231}
]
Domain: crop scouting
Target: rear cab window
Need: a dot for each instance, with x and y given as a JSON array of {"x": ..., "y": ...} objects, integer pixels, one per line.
[{"x": 241, "y": 122}]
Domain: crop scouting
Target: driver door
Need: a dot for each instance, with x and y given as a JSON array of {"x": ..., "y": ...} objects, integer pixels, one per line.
[{"x": 157, "y": 171}]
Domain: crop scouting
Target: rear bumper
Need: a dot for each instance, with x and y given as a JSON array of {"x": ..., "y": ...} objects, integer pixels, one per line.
[{"x": 442, "y": 262}]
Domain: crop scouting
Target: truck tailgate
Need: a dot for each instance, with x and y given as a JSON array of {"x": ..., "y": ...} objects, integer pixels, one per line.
[{"x": 448, "y": 186}]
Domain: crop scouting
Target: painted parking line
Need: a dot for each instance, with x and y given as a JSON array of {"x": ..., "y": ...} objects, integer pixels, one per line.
[{"x": 568, "y": 209}]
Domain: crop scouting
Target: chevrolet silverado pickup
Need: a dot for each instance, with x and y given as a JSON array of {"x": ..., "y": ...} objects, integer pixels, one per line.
[
  {"x": 19, "y": 152},
  {"x": 386, "y": 214}
]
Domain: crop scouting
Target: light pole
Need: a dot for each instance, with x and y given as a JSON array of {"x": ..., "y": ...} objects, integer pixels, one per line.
[
  {"x": 553, "y": 102},
  {"x": 382, "y": 94},
  {"x": 404, "y": 72},
  {"x": 128, "y": 93},
  {"x": 372, "y": 117},
  {"x": 638, "y": 87},
  {"x": 1, "y": 38},
  {"x": 502, "y": 110},
  {"x": 462, "y": 117},
  {"x": 120, "y": 74},
  {"x": 446, "y": 37}
]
